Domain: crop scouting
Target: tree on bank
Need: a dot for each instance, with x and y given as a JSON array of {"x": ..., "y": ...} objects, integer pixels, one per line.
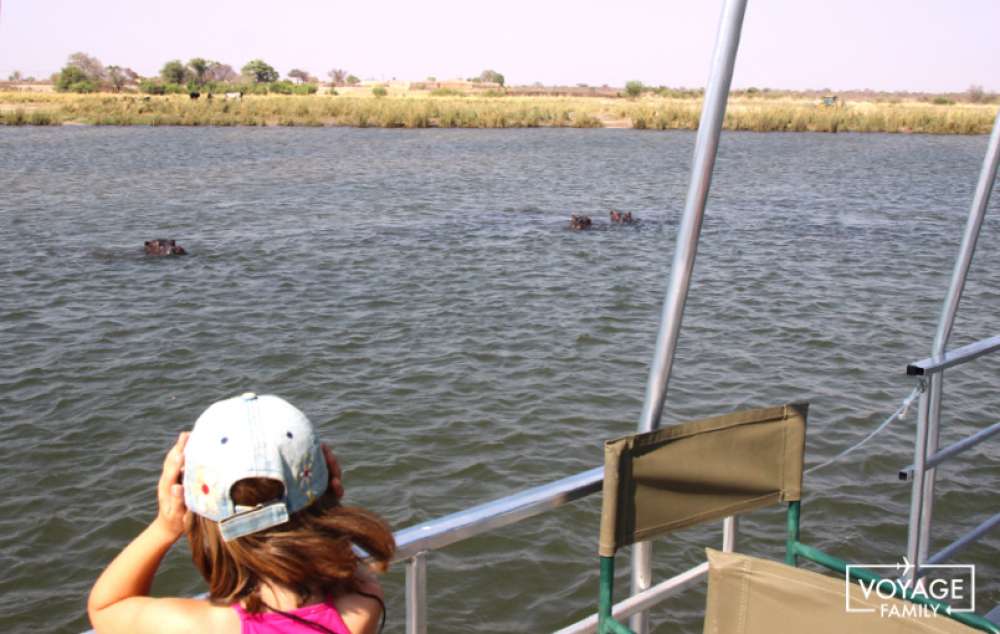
[
  {"x": 15, "y": 76},
  {"x": 91, "y": 66},
  {"x": 634, "y": 88},
  {"x": 352, "y": 80},
  {"x": 72, "y": 79},
  {"x": 174, "y": 72},
  {"x": 217, "y": 71},
  {"x": 82, "y": 73},
  {"x": 259, "y": 72},
  {"x": 117, "y": 77},
  {"x": 302, "y": 76},
  {"x": 977, "y": 94},
  {"x": 492, "y": 77},
  {"x": 337, "y": 76},
  {"x": 199, "y": 68}
]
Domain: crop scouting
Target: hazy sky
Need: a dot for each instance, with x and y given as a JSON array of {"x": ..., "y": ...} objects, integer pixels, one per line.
[{"x": 920, "y": 45}]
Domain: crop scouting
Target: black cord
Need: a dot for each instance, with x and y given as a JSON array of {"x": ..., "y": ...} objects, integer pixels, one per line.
[
  {"x": 323, "y": 628},
  {"x": 381, "y": 625},
  {"x": 299, "y": 619}
]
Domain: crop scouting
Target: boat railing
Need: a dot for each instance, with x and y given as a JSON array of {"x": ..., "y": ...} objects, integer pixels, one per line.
[
  {"x": 415, "y": 543},
  {"x": 926, "y": 455},
  {"x": 922, "y": 472}
]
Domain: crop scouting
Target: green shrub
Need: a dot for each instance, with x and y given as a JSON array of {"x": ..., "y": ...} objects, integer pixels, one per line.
[
  {"x": 152, "y": 87},
  {"x": 157, "y": 87},
  {"x": 942, "y": 101},
  {"x": 280, "y": 87},
  {"x": 633, "y": 88},
  {"x": 83, "y": 86},
  {"x": 73, "y": 79},
  {"x": 286, "y": 87},
  {"x": 218, "y": 87},
  {"x": 254, "y": 89},
  {"x": 446, "y": 92},
  {"x": 379, "y": 91}
]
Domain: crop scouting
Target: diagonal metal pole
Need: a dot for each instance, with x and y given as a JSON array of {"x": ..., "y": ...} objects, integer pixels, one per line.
[
  {"x": 706, "y": 145},
  {"x": 980, "y": 200}
]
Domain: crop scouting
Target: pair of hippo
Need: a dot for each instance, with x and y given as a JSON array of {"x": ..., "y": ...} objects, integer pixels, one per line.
[
  {"x": 161, "y": 246},
  {"x": 582, "y": 223},
  {"x": 619, "y": 218}
]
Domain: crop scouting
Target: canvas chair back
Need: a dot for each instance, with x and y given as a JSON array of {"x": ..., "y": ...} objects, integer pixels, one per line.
[{"x": 664, "y": 480}]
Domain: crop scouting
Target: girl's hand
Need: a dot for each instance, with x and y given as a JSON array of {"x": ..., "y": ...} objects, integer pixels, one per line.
[
  {"x": 174, "y": 516},
  {"x": 333, "y": 468}
]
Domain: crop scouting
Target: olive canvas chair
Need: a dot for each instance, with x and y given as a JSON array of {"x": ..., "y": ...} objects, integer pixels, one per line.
[{"x": 680, "y": 476}]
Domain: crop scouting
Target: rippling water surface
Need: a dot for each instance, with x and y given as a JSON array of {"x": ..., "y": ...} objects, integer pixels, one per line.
[{"x": 416, "y": 293}]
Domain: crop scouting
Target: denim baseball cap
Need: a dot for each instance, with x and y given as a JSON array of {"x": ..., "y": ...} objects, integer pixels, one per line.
[{"x": 252, "y": 436}]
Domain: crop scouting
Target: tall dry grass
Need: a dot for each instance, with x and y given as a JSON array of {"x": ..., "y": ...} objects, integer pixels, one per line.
[{"x": 470, "y": 111}]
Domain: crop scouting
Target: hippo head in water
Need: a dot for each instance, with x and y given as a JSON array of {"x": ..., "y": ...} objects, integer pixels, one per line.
[
  {"x": 579, "y": 222},
  {"x": 164, "y": 247}
]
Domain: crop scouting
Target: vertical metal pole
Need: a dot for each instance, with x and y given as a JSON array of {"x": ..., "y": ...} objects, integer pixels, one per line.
[
  {"x": 980, "y": 200},
  {"x": 706, "y": 145},
  {"x": 730, "y": 528},
  {"x": 416, "y": 594},
  {"x": 936, "y": 384},
  {"x": 916, "y": 497}
]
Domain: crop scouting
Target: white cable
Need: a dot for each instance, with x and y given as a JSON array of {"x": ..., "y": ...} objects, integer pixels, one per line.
[{"x": 899, "y": 413}]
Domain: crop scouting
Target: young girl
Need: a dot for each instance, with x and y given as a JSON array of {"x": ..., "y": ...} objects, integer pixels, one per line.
[{"x": 259, "y": 500}]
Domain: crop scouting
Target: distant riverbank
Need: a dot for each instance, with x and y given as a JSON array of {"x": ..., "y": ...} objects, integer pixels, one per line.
[{"x": 426, "y": 111}]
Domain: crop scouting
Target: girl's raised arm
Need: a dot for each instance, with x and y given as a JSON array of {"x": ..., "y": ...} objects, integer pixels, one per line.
[{"x": 119, "y": 600}]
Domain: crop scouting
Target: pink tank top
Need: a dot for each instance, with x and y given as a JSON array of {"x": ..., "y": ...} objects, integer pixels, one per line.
[{"x": 272, "y": 623}]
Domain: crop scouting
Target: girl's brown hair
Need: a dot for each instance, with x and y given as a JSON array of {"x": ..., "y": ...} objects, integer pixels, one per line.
[{"x": 311, "y": 552}]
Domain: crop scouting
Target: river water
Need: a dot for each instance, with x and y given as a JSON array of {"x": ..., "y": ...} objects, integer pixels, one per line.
[{"x": 417, "y": 294}]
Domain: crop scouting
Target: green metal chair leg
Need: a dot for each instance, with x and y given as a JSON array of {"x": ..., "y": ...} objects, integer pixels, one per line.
[
  {"x": 606, "y": 624},
  {"x": 793, "y": 533}
]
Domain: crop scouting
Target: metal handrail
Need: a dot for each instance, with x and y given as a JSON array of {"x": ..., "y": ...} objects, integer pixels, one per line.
[
  {"x": 440, "y": 532},
  {"x": 958, "y": 356},
  {"x": 952, "y": 450},
  {"x": 965, "y": 540},
  {"x": 642, "y": 601},
  {"x": 414, "y": 542}
]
